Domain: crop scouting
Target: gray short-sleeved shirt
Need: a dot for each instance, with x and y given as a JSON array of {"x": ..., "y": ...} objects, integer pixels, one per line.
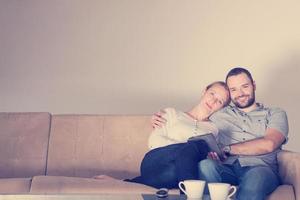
[{"x": 236, "y": 126}]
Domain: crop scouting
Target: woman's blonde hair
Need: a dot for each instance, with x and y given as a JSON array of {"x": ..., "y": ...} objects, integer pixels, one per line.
[{"x": 223, "y": 84}]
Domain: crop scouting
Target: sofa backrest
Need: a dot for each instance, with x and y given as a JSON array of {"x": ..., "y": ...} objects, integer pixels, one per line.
[
  {"x": 24, "y": 141},
  {"x": 89, "y": 145}
]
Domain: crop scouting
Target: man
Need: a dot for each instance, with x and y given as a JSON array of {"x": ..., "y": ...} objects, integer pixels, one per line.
[{"x": 251, "y": 136}]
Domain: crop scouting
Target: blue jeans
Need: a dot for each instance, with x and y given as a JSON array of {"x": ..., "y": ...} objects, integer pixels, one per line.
[
  {"x": 164, "y": 167},
  {"x": 254, "y": 182}
]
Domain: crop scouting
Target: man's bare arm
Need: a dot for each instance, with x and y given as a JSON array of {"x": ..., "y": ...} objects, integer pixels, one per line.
[{"x": 272, "y": 140}]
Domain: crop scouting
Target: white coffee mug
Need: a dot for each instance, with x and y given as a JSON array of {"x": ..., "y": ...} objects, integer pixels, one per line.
[
  {"x": 192, "y": 188},
  {"x": 221, "y": 191}
]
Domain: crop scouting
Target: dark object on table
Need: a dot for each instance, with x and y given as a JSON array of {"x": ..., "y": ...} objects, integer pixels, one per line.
[{"x": 162, "y": 193}]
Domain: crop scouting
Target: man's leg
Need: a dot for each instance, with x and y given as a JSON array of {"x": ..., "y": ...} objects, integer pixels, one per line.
[
  {"x": 256, "y": 183},
  {"x": 213, "y": 171}
]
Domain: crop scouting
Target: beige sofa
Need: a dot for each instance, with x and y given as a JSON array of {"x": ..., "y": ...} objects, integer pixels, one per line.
[{"x": 50, "y": 154}]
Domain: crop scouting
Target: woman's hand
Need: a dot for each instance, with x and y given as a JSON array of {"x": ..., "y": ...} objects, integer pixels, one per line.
[{"x": 214, "y": 156}]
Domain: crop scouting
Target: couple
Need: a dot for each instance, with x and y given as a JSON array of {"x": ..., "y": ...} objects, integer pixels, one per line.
[{"x": 249, "y": 133}]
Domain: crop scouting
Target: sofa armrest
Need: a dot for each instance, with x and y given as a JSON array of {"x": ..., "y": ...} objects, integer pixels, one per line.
[{"x": 289, "y": 169}]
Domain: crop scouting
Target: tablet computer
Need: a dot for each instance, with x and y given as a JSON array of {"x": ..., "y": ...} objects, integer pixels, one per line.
[{"x": 211, "y": 141}]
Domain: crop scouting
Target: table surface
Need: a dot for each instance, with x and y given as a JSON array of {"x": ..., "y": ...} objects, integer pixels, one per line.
[{"x": 92, "y": 197}]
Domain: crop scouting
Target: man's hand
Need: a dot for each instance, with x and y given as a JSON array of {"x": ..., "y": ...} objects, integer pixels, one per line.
[{"x": 157, "y": 121}]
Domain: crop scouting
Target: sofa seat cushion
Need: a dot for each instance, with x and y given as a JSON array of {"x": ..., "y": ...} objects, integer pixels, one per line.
[
  {"x": 15, "y": 185},
  {"x": 285, "y": 192},
  {"x": 77, "y": 185}
]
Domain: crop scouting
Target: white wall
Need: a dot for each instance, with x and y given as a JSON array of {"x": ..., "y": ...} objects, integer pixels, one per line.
[{"x": 135, "y": 56}]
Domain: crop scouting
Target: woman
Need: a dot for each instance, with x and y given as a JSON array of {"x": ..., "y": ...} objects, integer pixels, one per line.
[{"x": 172, "y": 157}]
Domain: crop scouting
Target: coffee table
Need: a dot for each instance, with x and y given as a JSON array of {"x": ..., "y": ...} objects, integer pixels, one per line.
[{"x": 92, "y": 197}]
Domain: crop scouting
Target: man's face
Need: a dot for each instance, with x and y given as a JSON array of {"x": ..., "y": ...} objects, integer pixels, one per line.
[{"x": 241, "y": 90}]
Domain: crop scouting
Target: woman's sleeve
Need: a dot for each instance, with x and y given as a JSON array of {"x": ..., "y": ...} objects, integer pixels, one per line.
[{"x": 161, "y": 136}]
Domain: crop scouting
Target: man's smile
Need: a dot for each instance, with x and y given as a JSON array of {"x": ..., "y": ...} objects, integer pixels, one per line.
[{"x": 242, "y": 98}]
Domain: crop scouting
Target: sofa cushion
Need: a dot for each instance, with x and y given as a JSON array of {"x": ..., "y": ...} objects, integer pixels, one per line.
[
  {"x": 77, "y": 185},
  {"x": 285, "y": 192},
  {"x": 15, "y": 185},
  {"x": 23, "y": 144},
  {"x": 289, "y": 169},
  {"x": 88, "y": 145}
]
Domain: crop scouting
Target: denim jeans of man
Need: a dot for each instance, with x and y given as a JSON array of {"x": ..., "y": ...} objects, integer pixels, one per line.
[
  {"x": 254, "y": 182},
  {"x": 164, "y": 167}
]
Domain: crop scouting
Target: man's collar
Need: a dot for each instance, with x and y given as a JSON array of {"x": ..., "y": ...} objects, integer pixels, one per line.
[{"x": 259, "y": 106}]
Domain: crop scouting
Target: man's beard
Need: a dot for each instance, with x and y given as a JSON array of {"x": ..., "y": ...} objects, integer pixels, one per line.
[{"x": 249, "y": 103}]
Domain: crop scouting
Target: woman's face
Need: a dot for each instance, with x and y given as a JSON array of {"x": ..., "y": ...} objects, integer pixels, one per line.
[{"x": 214, "y": 98}]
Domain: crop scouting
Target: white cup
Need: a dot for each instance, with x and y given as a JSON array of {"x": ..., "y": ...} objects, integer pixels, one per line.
[
  {"x": 192, "y": 188},
  {"x": 221, "y": 191}
]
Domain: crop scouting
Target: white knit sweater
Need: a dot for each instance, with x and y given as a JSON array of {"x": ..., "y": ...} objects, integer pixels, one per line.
[{"x": 179, "y": 128}]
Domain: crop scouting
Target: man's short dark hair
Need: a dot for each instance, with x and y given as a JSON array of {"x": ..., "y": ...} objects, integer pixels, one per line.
[{"x": 237, "y": 71}]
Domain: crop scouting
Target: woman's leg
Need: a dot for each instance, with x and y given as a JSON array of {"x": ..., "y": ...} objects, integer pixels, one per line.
[
  {"x": 188, "y": 157},
  {"x": 158, "y": 167}
]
